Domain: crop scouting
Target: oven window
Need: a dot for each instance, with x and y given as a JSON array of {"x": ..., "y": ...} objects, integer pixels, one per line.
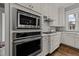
[
  {"x": 28, "y": 48},
  {"x": 26, "y": 20}
]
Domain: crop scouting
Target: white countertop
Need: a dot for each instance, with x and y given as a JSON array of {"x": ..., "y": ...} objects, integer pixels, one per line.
[
  {"x": 55, "y": 33},
  {"x": 49, "y": 34}
]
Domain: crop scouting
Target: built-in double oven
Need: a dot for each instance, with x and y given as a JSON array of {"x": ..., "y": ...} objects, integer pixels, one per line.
[{"x": 27, "y": 44}]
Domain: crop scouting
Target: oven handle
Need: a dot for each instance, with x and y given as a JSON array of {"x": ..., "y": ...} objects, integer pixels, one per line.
[{"x": 25, "y": 40}]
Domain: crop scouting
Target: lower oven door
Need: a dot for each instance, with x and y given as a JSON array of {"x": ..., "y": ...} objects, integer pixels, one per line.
[{"x": 27, "y": 47}]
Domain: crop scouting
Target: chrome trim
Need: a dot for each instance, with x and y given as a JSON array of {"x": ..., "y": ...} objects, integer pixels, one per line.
[
  {"x": 27, "y": 37},
  {"x": 35, "y": 53},
  {"x": 26, "y": 26},
  {"x": 25, "y": 40}
]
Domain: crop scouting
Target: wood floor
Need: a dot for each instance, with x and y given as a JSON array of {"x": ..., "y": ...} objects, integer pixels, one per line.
[{"x": 64, "y": 50}]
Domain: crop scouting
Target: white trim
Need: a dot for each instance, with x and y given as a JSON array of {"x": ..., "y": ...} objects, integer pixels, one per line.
[
  {"x": 3, "y": 26},
  {"x": 7, "y": 49},
  {"x": 73, "y": 11}
]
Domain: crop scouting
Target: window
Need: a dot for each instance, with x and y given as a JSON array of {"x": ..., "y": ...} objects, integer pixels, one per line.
[{"x": 71, "y": 21}]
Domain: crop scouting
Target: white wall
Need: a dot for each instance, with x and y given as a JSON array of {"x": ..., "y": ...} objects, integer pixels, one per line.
[{"x": 1, "y": 49}]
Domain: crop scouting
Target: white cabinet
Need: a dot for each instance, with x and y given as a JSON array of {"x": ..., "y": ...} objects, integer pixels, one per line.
[
  {"x": 68, "y": 38},
  {"x": 61, "y": 20},
  {"x": 58, "y": 16},
  {"x": 45, "y": 47},
  {"x": 34, "y": 6},
  {"x": 54, "y": 42},
  {"x": 71, "y": 39},
  {"x": 2, "y": 51},
  {"x": 45, "y": 9},
  {"x": 51, "y": 11},
  {"x": 54, "y": 16},
  {"x": 76, "y": 41}
]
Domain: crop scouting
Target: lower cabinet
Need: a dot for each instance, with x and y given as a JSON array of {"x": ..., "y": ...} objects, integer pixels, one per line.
[
  {"x": 76, "y": 42},
  {"x": 2, "y": 51},
  {"x": 68, "y": 38},
  {"x": 71, "y": 39},
  {"x": 45, "y": 48},
  {"x": 54, "y": 42}
]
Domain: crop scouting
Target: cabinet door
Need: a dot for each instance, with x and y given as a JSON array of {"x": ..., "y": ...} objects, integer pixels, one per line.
[
  {"x": 33, "y": 6},
  {"x": 68, "y": 39},
  {"x": 54, "y": 16},
  {"x": 58, "y": 38},
  {"x": 36, "y": 7},
  {"x": 61, "y": 20},
  {"x": 45, "y": 45},
  {"x": 45, "y": 9},
  {"x": 54, "y": 42},
  {"x": 76, "y": 42}
]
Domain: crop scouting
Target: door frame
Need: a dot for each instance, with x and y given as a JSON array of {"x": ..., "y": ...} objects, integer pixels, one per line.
[{"x": 6, "y": 31}]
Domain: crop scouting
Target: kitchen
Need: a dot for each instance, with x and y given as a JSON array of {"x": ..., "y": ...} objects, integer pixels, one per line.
[{"x": 39, "y": 29}]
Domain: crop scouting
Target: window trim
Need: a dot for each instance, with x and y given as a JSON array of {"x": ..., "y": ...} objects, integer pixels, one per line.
[{"x": 74, "y": 11}]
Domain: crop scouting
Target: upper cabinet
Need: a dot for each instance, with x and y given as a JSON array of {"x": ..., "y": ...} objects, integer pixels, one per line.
[
  {"x": 58, "y": 16},
  {"x": 54, "y": 13},
  {"x": 61, "y": 20},
  {"x": 34, "y": 6},
  {"x": 51, "y": 11},
  {"x": 45, "y": 9}
]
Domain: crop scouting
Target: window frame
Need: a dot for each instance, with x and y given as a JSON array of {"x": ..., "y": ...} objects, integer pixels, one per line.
[{"x": 75, "y": 11}]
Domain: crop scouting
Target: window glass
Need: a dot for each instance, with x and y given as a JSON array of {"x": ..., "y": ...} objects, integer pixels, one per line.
[
  {"x": 71, "y": 21},
  {"x": 72, "y": 17}
]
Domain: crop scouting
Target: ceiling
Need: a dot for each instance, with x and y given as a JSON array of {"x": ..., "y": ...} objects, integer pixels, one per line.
[{"x": 63, "y": 4}]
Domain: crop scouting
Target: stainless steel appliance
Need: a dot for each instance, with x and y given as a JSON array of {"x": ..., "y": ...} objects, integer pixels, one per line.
[
  {"x": 25, "y": 20},
  {"x": 27, "y": 44}
]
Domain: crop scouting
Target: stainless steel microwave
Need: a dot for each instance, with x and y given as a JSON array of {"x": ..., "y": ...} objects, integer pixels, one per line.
[{"x": 25, "y": 20}]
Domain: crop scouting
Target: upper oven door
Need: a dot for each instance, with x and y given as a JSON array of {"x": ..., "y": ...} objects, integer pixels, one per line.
[{"x": 26, "y": 20}]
